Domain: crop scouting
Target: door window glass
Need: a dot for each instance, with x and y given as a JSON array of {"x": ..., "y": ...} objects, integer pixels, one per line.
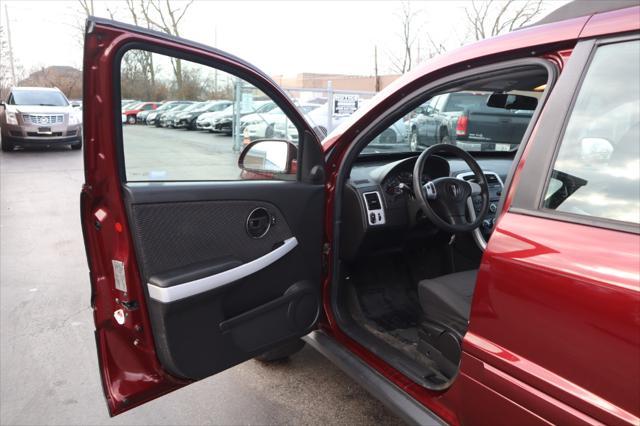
[
  {"x": 200, "y": 123},
  {"x": 597, "y": 170}
]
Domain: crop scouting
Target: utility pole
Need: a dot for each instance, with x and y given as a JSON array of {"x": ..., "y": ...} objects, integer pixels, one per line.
[
  {"x": 375, "y": 65},
  {"x": 13, "y": 68}
]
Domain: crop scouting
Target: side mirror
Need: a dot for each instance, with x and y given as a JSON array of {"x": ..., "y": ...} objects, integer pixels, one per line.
[
  {"x": 595, "y": 149},
  {"x": 505, "y": 101},
  {"x": 268, "y": 156},
  {"x": 2, "y": 104}
]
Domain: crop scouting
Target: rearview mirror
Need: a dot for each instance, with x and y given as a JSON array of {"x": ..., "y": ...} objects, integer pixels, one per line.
[
  {"x": 268, "y": 156},
  {"x": 595, "y": 149},
  {"x": 505, "y": 101}
]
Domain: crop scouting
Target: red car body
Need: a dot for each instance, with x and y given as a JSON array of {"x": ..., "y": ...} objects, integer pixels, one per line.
[
  {"x": 145, "y": 106},
  {"x": 535, "y": 353}
]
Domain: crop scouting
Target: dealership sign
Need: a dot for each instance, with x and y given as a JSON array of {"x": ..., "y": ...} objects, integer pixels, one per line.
[{"x": 345, "y": 104}]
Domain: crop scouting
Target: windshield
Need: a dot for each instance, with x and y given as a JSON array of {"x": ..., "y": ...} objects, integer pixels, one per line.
[
  {"x": 202, "y": 107},
  {"x": 132, "y": 106},
  {"x": 471, "y": 120},
  {"x": 193, "y": 107},
  {"x": 181, "y": 107},
  {"x": 38, "y": 97},
  {"x": 165, "y": 107}
]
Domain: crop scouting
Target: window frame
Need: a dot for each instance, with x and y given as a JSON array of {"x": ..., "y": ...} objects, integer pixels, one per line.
[
  {"x": 529, "y": 198},
  {"x": 247, "y": 76}
]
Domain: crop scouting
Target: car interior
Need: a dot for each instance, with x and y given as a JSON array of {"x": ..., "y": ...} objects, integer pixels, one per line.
[{"x": 404, "y": 279}]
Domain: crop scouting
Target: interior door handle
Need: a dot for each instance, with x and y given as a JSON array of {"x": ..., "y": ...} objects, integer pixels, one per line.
[{"x": 201, "y": 285}]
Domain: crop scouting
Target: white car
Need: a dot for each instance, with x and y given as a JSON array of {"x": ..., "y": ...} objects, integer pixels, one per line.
[
  {"x": 258, "y": 126},
  {"x": 318, "y": 118}
]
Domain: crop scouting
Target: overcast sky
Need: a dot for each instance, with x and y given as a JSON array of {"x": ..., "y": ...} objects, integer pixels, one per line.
[{"x": 279, "y": 37}]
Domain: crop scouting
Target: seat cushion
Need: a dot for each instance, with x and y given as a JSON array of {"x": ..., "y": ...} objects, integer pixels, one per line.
[{"x": 446, "y": 300}]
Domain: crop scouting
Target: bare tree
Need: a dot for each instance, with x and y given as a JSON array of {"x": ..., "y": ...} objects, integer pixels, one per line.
[
  {"x": 87, "y": 7},
  {"x": 408, "y": 34},
  {"x": 490, "y": 18},
  {"x": 167, "y": 19},
  {"x": 145, "y": 58}
]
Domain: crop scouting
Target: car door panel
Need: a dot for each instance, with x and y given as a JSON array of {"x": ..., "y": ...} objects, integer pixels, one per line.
[
  {"x": 180, "y": 241},
  {"x": 180, "y": 289}
]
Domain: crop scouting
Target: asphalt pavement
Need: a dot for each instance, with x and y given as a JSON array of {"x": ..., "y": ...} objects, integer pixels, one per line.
[{"x": 48, "y": 363}]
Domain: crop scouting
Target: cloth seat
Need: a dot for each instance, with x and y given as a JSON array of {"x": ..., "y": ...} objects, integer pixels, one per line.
[{"x": 446, "y": 300}]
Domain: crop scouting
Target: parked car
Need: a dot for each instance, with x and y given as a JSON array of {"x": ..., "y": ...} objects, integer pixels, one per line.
[
  {"x": 259, "y": 126},
  {"x": 150, "y": 118},
  {"x": 205, "y": 121},
  {"x": 187, "y": 119},
  {"x": 169, "y": 118},
  {"x": 155, "y": 116},
  {"x": 130, "y": 112},
  {"x": 224, "y": 123},
  {"x": 383, "y": 262},
  {"x": 464, "y": 118},
  {"x": 39, "y": 116}
]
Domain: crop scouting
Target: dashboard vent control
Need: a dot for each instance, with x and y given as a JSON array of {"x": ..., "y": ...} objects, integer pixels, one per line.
[{"x": 375, "y": 212}]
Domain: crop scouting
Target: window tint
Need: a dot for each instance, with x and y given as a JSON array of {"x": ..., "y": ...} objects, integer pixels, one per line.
[
  {"x": 200, "y": 133},
  {"x": 597, "y": 170}
]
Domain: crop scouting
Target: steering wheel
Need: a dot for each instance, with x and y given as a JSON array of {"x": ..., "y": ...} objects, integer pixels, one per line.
[{"x": 444, "y": 200}]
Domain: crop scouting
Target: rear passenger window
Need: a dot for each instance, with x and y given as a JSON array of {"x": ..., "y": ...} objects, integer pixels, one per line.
[{"x": 597, "y": 170}]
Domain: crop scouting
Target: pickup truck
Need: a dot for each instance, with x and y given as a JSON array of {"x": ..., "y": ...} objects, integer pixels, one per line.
[{"x": 465, "y": 119}]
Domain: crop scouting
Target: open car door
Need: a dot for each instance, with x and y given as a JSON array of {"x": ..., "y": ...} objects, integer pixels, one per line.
[{"x": 195, "y": 264}]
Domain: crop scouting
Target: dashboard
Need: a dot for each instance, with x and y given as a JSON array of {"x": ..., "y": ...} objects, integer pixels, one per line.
[{"x": 379, "y": 211}]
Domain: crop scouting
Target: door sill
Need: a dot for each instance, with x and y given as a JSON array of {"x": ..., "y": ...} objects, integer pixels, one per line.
[{"x": 377, "y": 385}]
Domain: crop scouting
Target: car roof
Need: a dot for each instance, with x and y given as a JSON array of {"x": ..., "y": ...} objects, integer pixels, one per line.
[
  {"x": 576, "y": 9},
  {"x": 25, "y": 88}
]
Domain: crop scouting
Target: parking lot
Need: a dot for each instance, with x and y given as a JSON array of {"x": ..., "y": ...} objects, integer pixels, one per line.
[{"x": 49, "y": 372}]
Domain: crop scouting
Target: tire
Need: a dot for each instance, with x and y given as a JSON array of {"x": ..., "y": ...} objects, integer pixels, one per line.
[
  {"x": 6, "y": 145},
  {"x": 131, "y": 119},
  {"x": 282, "y": 352},
  {"x": 76, "y": 146},
  {"x": 413, "y": 140}
]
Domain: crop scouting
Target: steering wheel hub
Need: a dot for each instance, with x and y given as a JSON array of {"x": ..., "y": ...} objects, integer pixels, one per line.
[{"x": 444, "y": 200}]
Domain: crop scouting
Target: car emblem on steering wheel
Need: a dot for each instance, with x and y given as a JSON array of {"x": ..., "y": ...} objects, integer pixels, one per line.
[{"x": 453, "y": 189}]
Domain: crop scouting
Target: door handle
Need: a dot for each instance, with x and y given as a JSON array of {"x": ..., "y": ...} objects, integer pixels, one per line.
[{"x": 221, "y": 279}]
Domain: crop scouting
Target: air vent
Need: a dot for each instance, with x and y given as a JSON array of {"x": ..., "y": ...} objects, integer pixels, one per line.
[
  {"x": 492, "y": 178},
  {"x": 375, "y": 212},
  {"x": 373, "y": 202}
]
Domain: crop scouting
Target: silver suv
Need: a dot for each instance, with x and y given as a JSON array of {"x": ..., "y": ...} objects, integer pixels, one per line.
[{"x": 39, "y": 116}]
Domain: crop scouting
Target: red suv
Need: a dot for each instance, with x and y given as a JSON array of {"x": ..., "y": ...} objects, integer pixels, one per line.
[{"x": 467, "y": 284}]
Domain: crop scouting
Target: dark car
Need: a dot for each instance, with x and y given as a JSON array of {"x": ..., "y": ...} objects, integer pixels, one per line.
[
  {"x": 464, "y": 118},
  {"x": 225, "y": 123},
  {"x": 168, "y": 118},
  {"x": 187, "y": 119},
  {"x": 384, "y": 261},
  {"x": 153, "y": 117}
]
